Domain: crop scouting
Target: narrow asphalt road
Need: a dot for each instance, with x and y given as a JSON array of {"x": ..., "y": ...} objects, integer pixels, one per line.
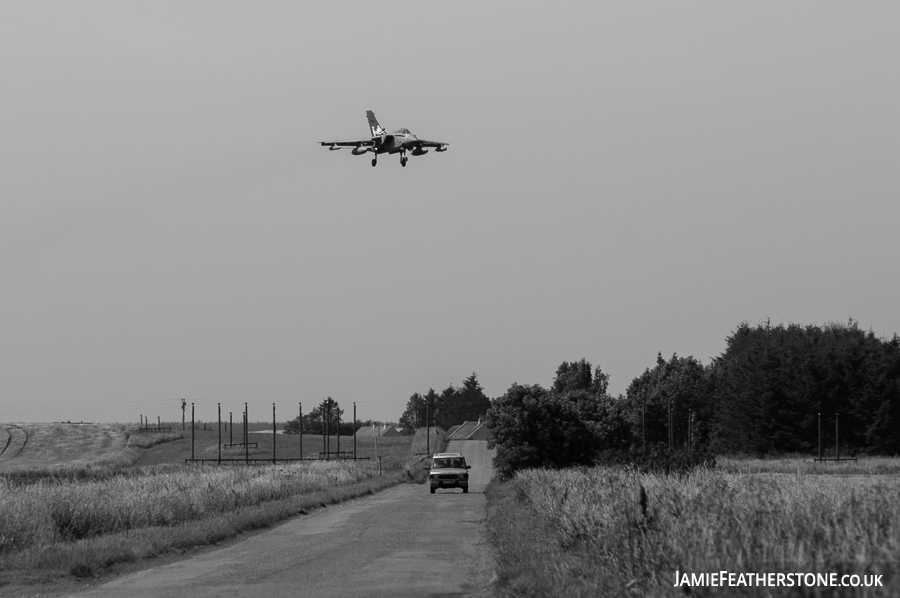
[{"x": 401, "y": 542}]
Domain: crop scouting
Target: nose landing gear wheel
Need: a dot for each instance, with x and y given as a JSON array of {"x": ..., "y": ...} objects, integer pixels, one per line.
[
  {"x": 374, "y": 161},
  {"x": 403, "y": 160}
]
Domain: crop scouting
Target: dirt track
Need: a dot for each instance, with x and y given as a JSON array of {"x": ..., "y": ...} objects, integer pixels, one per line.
[{"x": 401, "y": 542}]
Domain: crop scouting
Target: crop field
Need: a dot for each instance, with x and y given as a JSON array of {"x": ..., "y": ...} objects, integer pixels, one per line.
[
  {"x": 868, "y": 466},
  {"x": 60, "y": 443},
  {"x": 123, "y": 496},
  {"x": 604, "y": 531}
]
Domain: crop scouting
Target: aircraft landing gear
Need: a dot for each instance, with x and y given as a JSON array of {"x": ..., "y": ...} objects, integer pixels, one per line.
[
  {"x": 374, "y": 161},
  {"x": 403, "y": 160}
]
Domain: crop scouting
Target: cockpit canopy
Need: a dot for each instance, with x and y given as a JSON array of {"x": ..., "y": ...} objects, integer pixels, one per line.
[{"x": 402, "y": 131}]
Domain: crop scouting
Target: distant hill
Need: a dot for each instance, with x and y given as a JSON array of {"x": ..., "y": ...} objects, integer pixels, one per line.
[{"x": 48, "y": 445}]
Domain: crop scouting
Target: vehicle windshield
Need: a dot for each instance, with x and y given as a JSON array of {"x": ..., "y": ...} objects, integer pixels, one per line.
[{"x": 449, "y": 463}]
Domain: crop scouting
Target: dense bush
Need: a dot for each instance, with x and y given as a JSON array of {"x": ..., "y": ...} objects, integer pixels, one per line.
[{"x": 568, "y": 425}]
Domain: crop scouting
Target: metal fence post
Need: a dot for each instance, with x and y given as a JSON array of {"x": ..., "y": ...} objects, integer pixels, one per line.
[
  {"x": 820, "y": 435},
  {"x": 837, "y": 444}
]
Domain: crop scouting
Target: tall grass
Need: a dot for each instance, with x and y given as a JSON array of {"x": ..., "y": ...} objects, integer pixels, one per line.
[
  {"x": 604, "y": 531},
  {"x": 804, "y": 465},
  {"x": 53, "y": 516},
  {"x": 429, "y": 441}
]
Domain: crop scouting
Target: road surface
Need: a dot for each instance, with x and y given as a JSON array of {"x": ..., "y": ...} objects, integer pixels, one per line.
[{"x": 403, "y": 541}]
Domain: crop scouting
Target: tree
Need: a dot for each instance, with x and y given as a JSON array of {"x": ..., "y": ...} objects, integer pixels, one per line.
[
  {"x": 293, "y": 426},
  {"x": 534, "y": 427},
  {"x": 447, "y": 408},
  {"x": 681, "y": 387},
  {"x": 420, "y": 411},
  {"x": 414, "y": 413},
  {"x": 573, "y": 376},
  {"x": 571, "y": 424},
  {"x": 327, "y": 412},
  {"x": 473, "y": 403},
  {"x": 451, "y": 407},
  {"x": 774, "y": 381}
]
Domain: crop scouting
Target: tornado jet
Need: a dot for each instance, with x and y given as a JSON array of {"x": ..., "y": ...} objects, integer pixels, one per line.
[{"x": 382, "y": 142}]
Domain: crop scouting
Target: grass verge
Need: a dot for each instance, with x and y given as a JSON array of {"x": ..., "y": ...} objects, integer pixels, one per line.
[
  {"x": 53, "y": 532},
  {"x": 609, "y": 532}
]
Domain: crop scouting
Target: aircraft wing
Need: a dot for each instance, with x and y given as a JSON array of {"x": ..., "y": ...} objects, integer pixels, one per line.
[
  {"x": 367, "y": 142},
  {"x": 426, "y": 143}
]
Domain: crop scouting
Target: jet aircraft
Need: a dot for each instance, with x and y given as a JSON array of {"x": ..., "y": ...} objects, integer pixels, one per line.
[{"x": 382, "y": 142}]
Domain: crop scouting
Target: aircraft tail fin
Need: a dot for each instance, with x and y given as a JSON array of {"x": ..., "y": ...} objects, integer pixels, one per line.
[{"x": 376, "y": 129}]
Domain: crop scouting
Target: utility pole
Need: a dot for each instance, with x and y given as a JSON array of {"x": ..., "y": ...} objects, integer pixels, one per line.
[
  {"x": 183, "y": 405},
  {"x": 230, "y": 429},
  {"x": 427, "y": 427},
  {"x": 192, "y": 431},
  {"x": 220, "y": 432},
  {"x": 274, "y": 433},
  {"x": 338, "y": 410},
  {"x": 354, "y": 430},
  {"x": 246, "y": 435},
  {"x": 328, "y": 431},
  {"x": 300, "y": 405}
]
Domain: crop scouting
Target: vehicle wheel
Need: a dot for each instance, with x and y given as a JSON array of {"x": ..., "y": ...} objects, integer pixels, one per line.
[
  {"x": 432, "y": 490},
  {"x": 465, "y": 490}
]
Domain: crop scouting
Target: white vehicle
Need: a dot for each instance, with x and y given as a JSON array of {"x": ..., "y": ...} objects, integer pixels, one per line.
[{"x": 449, "y": 470}]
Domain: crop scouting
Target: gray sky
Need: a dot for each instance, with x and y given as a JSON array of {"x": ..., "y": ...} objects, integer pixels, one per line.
[{"x": 623, "y": 178}]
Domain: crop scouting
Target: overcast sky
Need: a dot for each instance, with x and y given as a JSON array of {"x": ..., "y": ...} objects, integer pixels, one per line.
[{"x": 623, "y": 178}]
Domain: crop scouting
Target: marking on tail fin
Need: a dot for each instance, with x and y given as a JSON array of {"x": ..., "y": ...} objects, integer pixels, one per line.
[{"x": 377, "y": 130}]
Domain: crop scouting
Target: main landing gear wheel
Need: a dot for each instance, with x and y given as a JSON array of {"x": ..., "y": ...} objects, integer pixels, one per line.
[
  {"x": 374, "y": 161},
  {"x": 403, "y": 161}
]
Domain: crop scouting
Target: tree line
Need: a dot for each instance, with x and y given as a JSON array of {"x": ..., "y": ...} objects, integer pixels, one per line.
[
  {"x": 763, "y": 395},
  {"x": 327, "y": 415},
  {"x": 452, "y": 406}
]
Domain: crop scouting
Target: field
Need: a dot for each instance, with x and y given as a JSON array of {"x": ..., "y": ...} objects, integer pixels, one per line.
[
  {"x": 78, "y": 499},
  {"x": 50, "y": 445},
  {"x": 603, "y": 531}
]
